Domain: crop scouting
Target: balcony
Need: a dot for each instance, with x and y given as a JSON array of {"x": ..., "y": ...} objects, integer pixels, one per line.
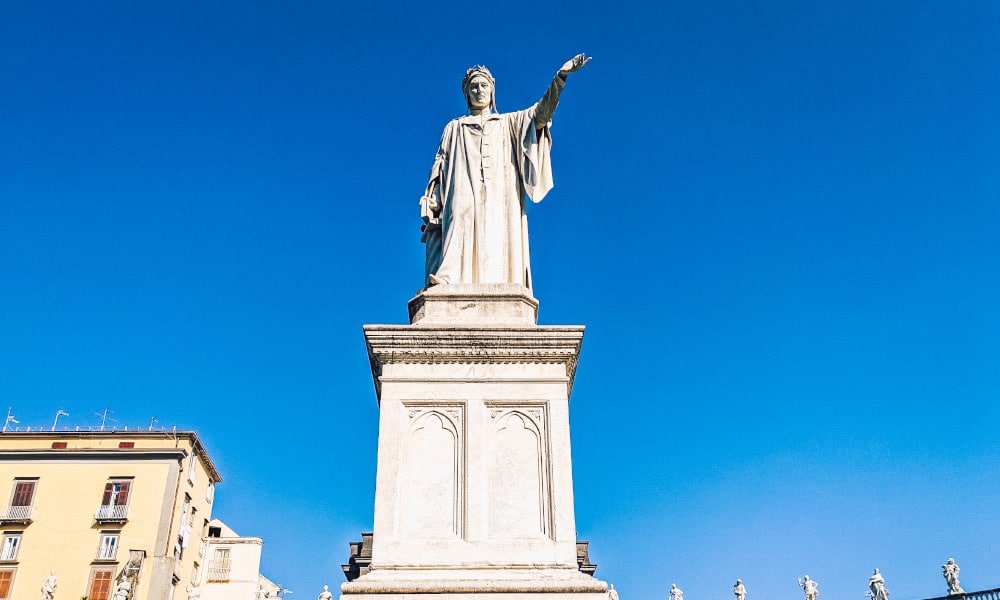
[
  {"x": 113, "y": 513},
  {"x": 218, "y": 569},
  {"x": 17, "y": 514}
]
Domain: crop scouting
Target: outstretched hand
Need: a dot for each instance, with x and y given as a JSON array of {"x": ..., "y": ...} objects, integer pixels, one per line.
[{"x": 574, "y": 64}]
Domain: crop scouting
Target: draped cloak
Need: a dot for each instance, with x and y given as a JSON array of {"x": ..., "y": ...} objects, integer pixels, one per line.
[{"x": 485, "y": 168}]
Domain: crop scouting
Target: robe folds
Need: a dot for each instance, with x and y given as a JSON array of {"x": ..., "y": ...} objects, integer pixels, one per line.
[{"x": 485, "y": 168}]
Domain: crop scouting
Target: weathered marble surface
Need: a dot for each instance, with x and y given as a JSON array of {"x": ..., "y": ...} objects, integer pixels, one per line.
[
  {"x": 474, "y": 491},
  {"x": 500, "y": 304},
  {"x": 486, "y": 166}
]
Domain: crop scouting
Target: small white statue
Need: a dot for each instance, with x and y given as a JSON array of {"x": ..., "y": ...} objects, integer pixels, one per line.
[
  {"x": 49, "y": 586},
  {"x": 810, "y": 587},
  {"x": 325, "y": 594},
  {"x": 675, "y": 592},
  {"x": 194, "y": 593},
  {"x": 876, "y": 587},
  {"x": 739, "y": 590},
  {"x": 123, "y": 589},
  {"x": 950, "y": 571},
  {"x": 612, "y": 592}
]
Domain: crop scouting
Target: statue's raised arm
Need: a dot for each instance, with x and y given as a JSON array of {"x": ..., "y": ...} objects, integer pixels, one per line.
[{"x": 547, "y": 105}]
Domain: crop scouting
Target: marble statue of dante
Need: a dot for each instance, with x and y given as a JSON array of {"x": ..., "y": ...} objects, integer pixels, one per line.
[
  {"x": 810, "y": 587},
  {"x": 950, "y": 571},
  {"x": 739, "y": 590},
  {"x": 487, "y": 164},
  {"x": 876, "y": 587},
  {"x": 325, "y": 594},
  {"x": 675, "y": 592},
  {"x": 49, "y": 586},
  {"x": 124, "y": 588}
]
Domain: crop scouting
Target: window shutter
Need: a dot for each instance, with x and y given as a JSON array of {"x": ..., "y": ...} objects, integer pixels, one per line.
[
  {"x": 6, "y": 576},
  {"x": 23, "y": 493},
  {"x": 123, "y": 490},
  {"x": 100, "y": 587},
  {"x": 109, "y": 489}
]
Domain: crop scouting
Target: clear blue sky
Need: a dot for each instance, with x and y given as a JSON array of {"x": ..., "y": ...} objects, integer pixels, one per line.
[{"x": 779, "y": 221}]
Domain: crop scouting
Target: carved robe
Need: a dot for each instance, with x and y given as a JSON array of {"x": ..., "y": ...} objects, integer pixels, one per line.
[{"x": 485, "y": 168}]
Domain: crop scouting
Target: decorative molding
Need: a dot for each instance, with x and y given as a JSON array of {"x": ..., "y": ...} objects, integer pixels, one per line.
[{"x": 407, "y": 344}]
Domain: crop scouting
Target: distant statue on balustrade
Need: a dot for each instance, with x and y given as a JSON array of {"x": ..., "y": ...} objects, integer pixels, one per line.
[
  {"x": 325, "y": 594},
  {"x": 950, "y": 571},
  {"x": 675, "y": 592},
  {"x": 486, "y": 166},
  {"x": 810, "y": 587},
  {"x": 739, "y": 590},
  {"x": 876, "y": 587},
  {"x": 612, "y": 592}
]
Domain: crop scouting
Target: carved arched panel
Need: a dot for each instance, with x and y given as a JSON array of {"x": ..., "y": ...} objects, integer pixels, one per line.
[
  {"x": 519, "y": 499},
  {"x": 431, "y": 483}
]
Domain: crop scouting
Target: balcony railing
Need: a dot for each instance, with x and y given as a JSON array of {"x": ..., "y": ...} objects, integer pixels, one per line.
[
  {"x": 218, "y": 569},
  {"x": 112, "y": 512},
  {"x": 993, "y": 594},
  {"x": 106, "y": 553},
  {"x": 17, "y": 514}
]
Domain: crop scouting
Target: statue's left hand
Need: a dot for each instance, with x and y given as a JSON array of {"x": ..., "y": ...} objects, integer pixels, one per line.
[{"x": 574, "y": 64}]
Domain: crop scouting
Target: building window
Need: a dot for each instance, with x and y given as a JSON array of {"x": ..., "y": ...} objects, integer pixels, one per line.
[
  {"x": 11, "y": 542},
  {"x": 114, "y": 502},
  {"x": 21, "y": 500},
  {"x": 108, "y": 549},
  {"x": 210, "y": 493},
  {"x": 214, "y": 532},
  {"x": 218, "y": 567},
  {"x": 191, "y": 464},
  {"x": 195, "y": 574},
  {"x": 100, "y": 583},
  {"x": 6, "y": 582}
]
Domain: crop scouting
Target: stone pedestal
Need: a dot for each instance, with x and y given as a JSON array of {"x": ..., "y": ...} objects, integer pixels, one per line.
[{"x": 474, "y": 490}]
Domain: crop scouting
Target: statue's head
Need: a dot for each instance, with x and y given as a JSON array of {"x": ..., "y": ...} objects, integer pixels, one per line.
[{"x": 479, "y": 88}]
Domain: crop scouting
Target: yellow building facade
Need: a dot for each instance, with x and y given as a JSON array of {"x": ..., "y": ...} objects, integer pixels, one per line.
[{"x": 112, "y": 515}]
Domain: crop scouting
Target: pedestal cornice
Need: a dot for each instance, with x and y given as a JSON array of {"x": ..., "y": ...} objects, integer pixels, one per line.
[{"x": 402, "y": 344}]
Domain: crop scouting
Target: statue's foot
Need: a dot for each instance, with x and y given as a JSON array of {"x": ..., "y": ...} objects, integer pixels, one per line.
[{"x": 435, "y": 280}]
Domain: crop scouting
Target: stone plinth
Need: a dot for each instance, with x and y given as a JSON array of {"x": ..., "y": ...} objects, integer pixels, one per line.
[
  {"x": 474, "y": 490},
  {"x": 495, "y": 304}
]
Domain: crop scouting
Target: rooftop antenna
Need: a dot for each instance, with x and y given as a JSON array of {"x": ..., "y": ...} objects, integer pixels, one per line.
[
  {"x": 10, "y": 419},
  {"x": 104, "y": 417},
  {"x": 152, "y": 422},
  {"x": 59, "y": 413}
]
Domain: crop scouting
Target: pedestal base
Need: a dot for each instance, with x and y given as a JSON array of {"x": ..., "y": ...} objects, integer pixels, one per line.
[
  {"x": 476, "y": 584},
  {"x": 490, "y": 304},
  {"x": 474, "y": 491}
]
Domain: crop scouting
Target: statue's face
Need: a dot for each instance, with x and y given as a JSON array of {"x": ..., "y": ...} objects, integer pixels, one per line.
[{"x": 479, "y": 93}]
